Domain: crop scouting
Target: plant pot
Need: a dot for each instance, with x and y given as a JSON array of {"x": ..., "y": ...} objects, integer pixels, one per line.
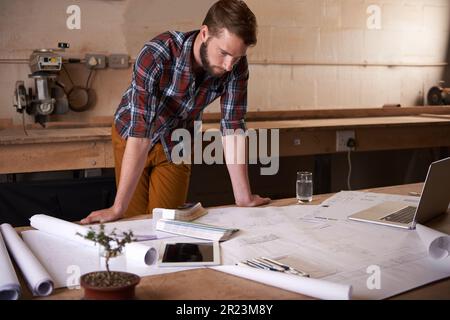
[{"x": 121, "y": 285}]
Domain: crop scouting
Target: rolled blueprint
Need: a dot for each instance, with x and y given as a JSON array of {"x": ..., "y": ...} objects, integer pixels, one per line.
[
  {"x": 316, "y": 288},
  {"x": 9, "y": 284},
  {"x": 141, "y": 254},
  {"x": 37, "y": 278},
  {"x": 60, "y": 228},
  {"x": 135, "y": 251},
  {"x": 437, "y": 243}
]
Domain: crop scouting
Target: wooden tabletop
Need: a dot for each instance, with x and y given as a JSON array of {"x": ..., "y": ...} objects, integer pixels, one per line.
[
  {"x": 342, "y": 123},
  {"x": 201, "y": 284},
  {"x": 15, "y": 136}
]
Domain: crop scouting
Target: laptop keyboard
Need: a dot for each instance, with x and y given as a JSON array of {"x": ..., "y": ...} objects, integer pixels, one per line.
[{"x": 405, "y": 215}]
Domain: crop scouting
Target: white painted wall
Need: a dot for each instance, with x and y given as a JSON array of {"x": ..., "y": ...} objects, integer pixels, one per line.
[{"x": 320, "y": 37}]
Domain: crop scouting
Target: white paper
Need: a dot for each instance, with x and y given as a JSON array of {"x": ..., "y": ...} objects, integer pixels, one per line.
[
  {"x": 142, "y": 254},
  {"x": 60, "y": 228},
  {"x": 437, "y": 243},
  {"x": 37, "y": 278},
  {"x": 331, "y": 249},
  {"x": 135, "y": 251},
  {"x": 67, "y": 260},
  {"x": 9, "y": 284},
  {"x": 67, "y": 255},
  {"x": 143, "y": 229},
  {"x": 311, "y": 287},
  {"x": 345, "y": 203}
]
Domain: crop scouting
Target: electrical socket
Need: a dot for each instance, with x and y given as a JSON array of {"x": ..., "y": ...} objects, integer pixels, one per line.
[
  {"x": 118, "y": 61},
  {"x": 95, "y": 61},
  {"x": 342, "y": 138}
]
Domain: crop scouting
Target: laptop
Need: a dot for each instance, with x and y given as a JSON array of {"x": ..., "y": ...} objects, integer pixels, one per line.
[{"x": 433, "y": 201}]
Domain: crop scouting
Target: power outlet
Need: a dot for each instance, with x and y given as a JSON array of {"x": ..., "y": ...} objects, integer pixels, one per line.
[
  {"x": 118, "y": 61},
  {"x": 95, "y": 61},
  {"x": 342, "y": 138}
]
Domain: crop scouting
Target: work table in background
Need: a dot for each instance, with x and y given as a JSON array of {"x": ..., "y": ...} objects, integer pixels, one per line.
[{"x": 53, "y": 149}]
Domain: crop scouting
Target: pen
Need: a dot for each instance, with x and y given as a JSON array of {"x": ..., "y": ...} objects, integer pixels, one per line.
[
  {"x": 250, "y": 264},
  {"x": 325, "y": 218},
  {"x": 286, "y": 267},
  {"x": 259, "y": 265},
  {"x": 141, "y": 237},
  {"x": 145, "y": 237},
  {"x": 243, "y": 264},
  {"x": 270, "y": 265}
]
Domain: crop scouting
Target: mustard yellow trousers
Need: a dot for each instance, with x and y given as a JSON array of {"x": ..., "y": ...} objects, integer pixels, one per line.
[{"x": 162, "y": 184}]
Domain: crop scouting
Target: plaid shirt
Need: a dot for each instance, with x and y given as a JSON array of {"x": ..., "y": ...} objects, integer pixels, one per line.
[{"x": 164, "y": 96}]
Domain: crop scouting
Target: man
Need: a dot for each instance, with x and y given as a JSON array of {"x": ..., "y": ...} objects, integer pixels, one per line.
[{"x": 177, "y": 75}]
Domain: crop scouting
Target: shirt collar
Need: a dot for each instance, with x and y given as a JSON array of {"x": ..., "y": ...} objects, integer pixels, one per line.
[{"x": 184, "y": 62}]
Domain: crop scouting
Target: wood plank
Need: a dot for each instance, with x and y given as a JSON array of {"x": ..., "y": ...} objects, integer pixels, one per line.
[
  {"x": 17, "y": 136},
  {"x": 270, "y": 115},
  {"x": 48, "y": 149},
  {"x": 391, "y": 138},
  {"x": 300, "y": 142},
  {"x": 52, "y": 156},
  {"x": 6, "y": 123},
  {"x": 339, "y": 123},
  {"x": 109, "y": 154},
  {"x": 328, "y": 113},
  {"x": 209, "y": 284},
  {"x": 440, "y": 116}
]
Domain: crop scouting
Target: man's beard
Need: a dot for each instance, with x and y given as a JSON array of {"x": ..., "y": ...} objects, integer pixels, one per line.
[{"x": 205, "y": 60}]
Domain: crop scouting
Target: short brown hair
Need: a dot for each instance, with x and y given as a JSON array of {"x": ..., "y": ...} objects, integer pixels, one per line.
[{"x": 235, "y": 16}]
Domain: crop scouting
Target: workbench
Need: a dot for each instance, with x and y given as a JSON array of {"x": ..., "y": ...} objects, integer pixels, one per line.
[
  {"x": 86, "y": 148},
  {"x": 199, "y": 284}
]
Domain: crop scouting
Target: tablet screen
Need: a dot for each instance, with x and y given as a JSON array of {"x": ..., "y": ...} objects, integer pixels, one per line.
[{"x": 188, "y": 252}]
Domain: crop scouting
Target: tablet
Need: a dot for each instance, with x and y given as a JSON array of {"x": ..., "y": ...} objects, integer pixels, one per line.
[{"x": 189, "y": 254}]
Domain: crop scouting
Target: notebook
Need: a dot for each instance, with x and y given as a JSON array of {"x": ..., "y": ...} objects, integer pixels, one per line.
[{"x": 187, "y": 212}]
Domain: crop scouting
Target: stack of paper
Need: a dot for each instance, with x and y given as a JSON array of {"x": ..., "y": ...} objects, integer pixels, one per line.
[
  {"x": 195, "y": 230},
  {"x": 187, "y": 212}
]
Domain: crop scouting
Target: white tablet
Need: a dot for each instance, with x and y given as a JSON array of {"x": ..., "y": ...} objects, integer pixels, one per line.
[{"x": 189, "y": 254}]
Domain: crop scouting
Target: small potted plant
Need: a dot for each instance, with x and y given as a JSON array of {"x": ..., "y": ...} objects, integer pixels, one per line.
[{"x": 109, "y": 285}]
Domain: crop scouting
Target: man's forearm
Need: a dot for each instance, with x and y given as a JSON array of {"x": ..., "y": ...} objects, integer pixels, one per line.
[
  {"x": 239, "y": 180},
  {"x": 235, "y": 157},
  {"x": 133, "y": 163}
]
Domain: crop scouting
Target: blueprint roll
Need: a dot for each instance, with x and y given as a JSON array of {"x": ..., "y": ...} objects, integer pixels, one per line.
[
  {"x": 9, "y": 284},
  {"x": 61, "y": 228},
  {"x": 37, "y": 278},
  {"x": 315, "y": 288},
  {"x": 135, "y": 251},
  {"x": 141, "y": 254},
  {"x": 437, "y": 243}
]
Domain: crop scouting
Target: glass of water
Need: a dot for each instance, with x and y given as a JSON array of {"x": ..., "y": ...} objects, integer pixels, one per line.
[{"x": 304, "y": 186}]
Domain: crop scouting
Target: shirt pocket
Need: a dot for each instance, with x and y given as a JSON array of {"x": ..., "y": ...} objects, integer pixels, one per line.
[{"x": 210, "y": 94}]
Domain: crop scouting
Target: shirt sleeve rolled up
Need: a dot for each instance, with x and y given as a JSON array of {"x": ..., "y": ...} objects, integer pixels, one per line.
[
  {"x": 234, "y": 101},
  {"x": 144, "y": 100}
]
